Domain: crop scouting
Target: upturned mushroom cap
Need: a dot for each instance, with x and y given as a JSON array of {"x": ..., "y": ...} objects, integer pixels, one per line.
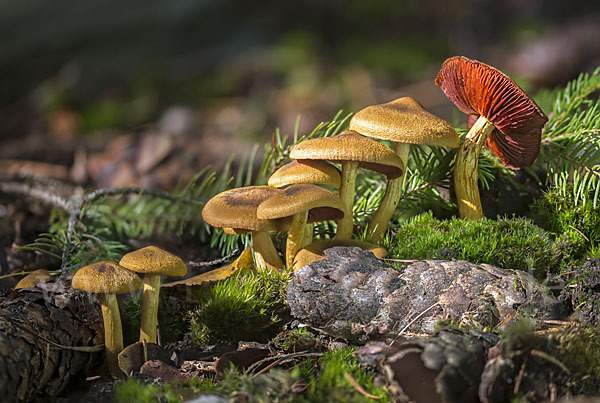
[
  {"x": 351, "y": 146},
  {"x": 106, "y": 278},
  {"x": 235, "y": 209},
  {"x": 478, "y": 89},
  {"x": 316, "y": 251},
  {"x": 322, "y": 204},
  {"x": 153, "y": 260},
  {"x": 404, "y": 121},
  {"x": 33, "y": 278},
  {"x": 306, "y": 171}
]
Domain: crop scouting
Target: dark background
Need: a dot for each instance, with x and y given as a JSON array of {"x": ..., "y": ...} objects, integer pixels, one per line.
[{"x": 219, "y": 75}]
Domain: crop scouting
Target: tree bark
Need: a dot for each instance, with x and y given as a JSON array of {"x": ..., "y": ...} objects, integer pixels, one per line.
[{"x": 48, "y": 336}]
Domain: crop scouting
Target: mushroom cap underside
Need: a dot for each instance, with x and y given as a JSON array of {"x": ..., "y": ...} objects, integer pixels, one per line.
[{"x": 478, "y": 89}]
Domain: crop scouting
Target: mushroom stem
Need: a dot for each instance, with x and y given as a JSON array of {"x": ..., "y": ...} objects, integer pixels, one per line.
[
  {"x": 382, "y": 216},
  {"x": 265, "y": 253},
  {"x": 150, "y": 307},
  {"x": 113, "y": 332},
  {"x": 349, "y": 172},
  {"x": 308, "y": 235},
  {"x": 466, "y": 173},
  {"x": 296, "y": 235}
]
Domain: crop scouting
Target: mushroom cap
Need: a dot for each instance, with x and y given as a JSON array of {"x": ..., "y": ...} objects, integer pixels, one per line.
[
  {"x": 235, "y": 209},
  {"x": 306, "y": 171},
  {"x": 106, "y": 278},
  {"x": 351, "y": 146},
  {"x": 404, "y": 120},
  {"x": 316, "y": 251},
  {"x": 478, "y": 89},
  {"x": 321, "y": 203},
  {"x": 33, "y": 278},
  {"x": 153, "y": 260}
]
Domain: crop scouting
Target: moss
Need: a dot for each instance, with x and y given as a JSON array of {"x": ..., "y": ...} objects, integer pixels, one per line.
[
  {"x": 576, "y": 226},
  {"x": 512, "y": 243},
  {"x": 295, "y": 340},
  {"x": 244, "y": 307}
]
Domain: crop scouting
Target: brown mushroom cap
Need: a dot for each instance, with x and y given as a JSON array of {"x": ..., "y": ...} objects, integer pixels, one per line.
[
  {"x": 478, "y": 89},
  {"x": 351, "y": 146},
  {"x": 236, "y": 209},
  {"x": 322, "y": 204},
  {"x": 316, "y": 251},
  {"x": 33, "y": 278},
  {"x": 306, "y": 171},
  {"x": 404, "y": 120},
  {"x": 153, "y": 260},
  {"x": 106, "y": 278}
]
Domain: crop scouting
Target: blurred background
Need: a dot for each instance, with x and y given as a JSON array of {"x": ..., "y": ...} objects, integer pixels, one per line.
[{"x": 140, "y": 92}]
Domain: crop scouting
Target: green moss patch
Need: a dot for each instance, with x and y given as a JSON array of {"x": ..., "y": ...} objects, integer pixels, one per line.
[
  {"x": 511, "y": 243},
  {"x": 247, "y": 306}
]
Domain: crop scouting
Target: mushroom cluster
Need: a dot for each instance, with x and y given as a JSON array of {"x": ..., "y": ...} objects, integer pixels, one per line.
[
  {"x": 295, "y": 197},
  {"x": 108, "y": 279}
]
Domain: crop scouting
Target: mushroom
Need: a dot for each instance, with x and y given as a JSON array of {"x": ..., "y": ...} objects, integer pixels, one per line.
[
  {"x": 352, "y": 150},
  {"x": 33, "y": 278},
  {"x": 315, "y": 172},
  {"x": 511, "y": 119},
  {"x": 107, "y": 279},
  {"x": 405, "y": 122},
  {"x": 234, "y": 210},
  {"x": 304, "y": 203},
  {"x": 316, "y": 251},
  {"x": 306, "y": 171},
  {"x": 153, "y": 262}
]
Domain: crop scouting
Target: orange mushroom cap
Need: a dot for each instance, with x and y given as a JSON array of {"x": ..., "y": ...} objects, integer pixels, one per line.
[{"x": 478, "y": 89}]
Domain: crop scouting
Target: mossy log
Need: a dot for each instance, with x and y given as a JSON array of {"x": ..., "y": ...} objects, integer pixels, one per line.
[{"x": 48, "y": 336}]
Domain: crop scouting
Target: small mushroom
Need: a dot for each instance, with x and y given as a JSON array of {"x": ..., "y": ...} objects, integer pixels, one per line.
[
  {"x": 235, "y": 211},
  {"x": 352, "y": 150},
  {"x": 304, "y": 203},
  {"x": 511, "y": 119},
  {"x": 405, "y": 122},
  {"x": 34, "y": 278},
  {"x": 316, "y": 251},
  {"x": 153, "y": 262},
  {"x": 315, "y": 172},
  {"x": 107, "y": 279}
]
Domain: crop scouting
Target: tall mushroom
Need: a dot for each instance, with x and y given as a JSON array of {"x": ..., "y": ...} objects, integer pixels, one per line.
[
  {"x": 511, "y": 119},
  {"x": 234, "y": 210},
  {"x": 153, "y": 262},
  {"x": 352, "y": 150},
  {"x": 405, "y": 122},
  {"x": 107, "y": 279},
  {"x": 304, "y": 203}
]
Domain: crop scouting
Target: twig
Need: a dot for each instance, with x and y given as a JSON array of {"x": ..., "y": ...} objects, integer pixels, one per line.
[
  {"x": 282, "y": 357},
  {"x": 413, "y": 321},
  {"x": 551, "y": 359},
  {"x": 359, "y": 388},
  {"x": 213, "y": 262}
]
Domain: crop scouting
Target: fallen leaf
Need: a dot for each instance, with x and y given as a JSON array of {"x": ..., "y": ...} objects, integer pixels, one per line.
[{"x": 243, "y": 262}]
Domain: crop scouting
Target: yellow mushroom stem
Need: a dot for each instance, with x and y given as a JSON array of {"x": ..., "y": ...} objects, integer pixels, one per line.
[
  {"x": 265, "y": 254},
  {"x": 296, "y": 237},
  {"x": 308, "y": 235},
  {"x": 466, "y": 173},
  {"x": 113, "y": 332},
  {"x": 382, "y": 216},
  {"x": 150, "y": 292},
  {"x": 349, "y": 172}
]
